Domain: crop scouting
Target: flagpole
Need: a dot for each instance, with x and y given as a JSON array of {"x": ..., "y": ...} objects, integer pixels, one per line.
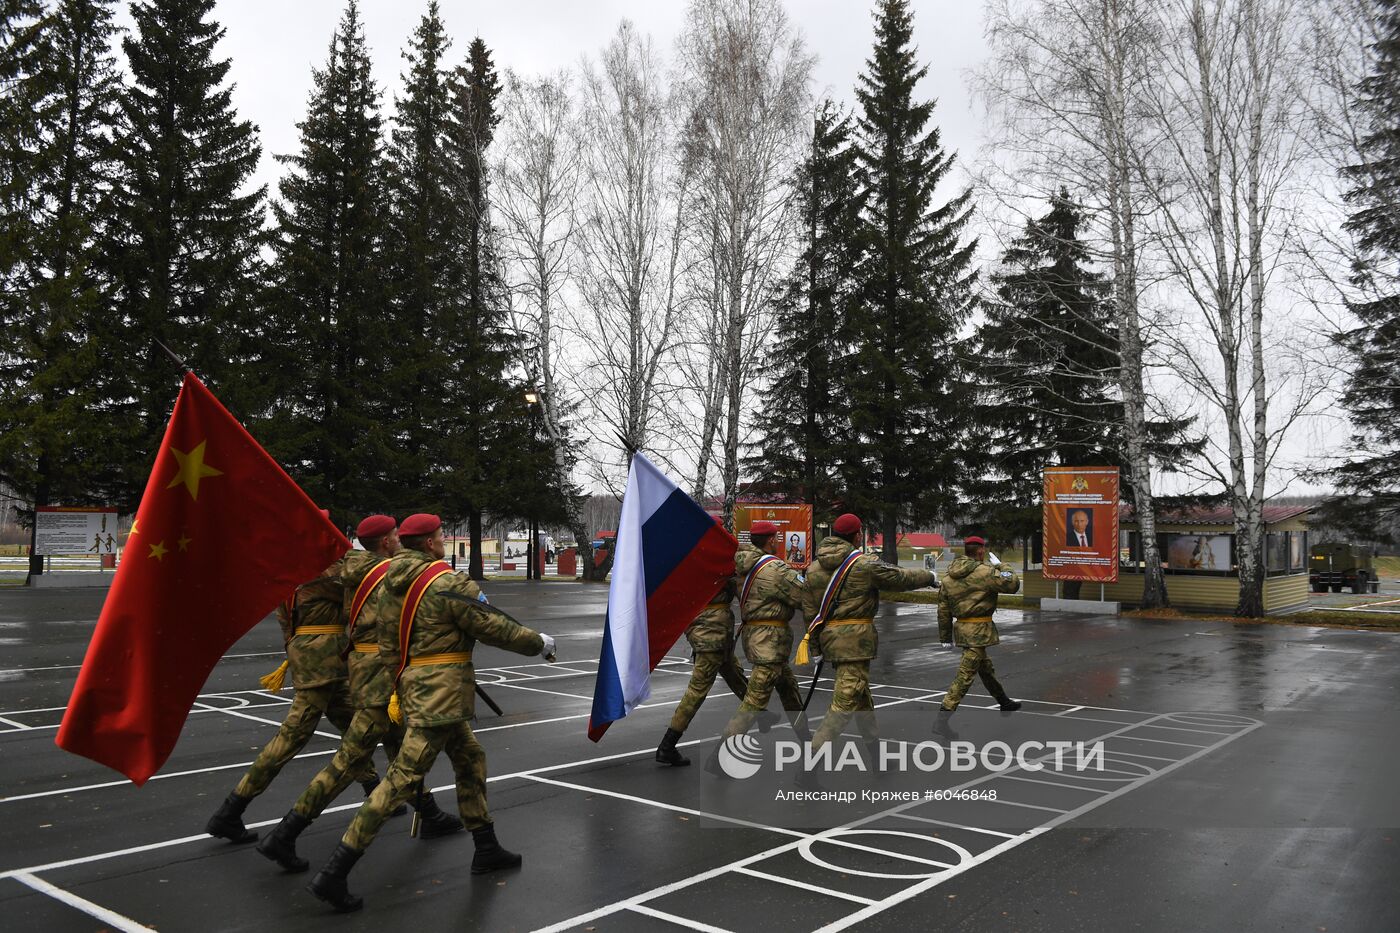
[{"x": 171, "y": 353}]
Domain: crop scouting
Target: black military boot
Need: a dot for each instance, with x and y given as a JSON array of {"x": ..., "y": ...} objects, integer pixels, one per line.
[
  {"x": 667, "y": 753},
  {"x": 998, "y": 693},
  {"x": 227, "y": 821},
  {"x": 330, "y": 883},
  {"x": 943, "y": 725},
  {"x": 434, "y": 821},
  {"x": 369, "y": 787},
  {"x": 490, "y": 856},
  {"x": 766, "y": 721},
  {"x": 280, "y": 845}
]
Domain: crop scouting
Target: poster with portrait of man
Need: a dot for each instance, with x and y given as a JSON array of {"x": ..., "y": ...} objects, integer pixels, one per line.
[
  {"x": 1080, "y": 524},
  {"x": 794, "y": 521}
]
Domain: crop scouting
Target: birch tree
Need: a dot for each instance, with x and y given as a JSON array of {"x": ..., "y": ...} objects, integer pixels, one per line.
[
  {"x": 1230, "y": 113},
  {"x": 628, "y": 247},
  {"x": 1063, "y": 85},
  {"x": 745, "y": 75}
]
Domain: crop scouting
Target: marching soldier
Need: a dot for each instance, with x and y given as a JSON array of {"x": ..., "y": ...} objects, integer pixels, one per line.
[
  {"x": 965, "y": 606},
  {"x": 442, "y": 616},
  {"x": 711, "y": 637},
  {"x": 770, "y": 593},
  {"x": 371, "y": 685},
  {"x": 316, "y": 644},
  {"x": 842, "y": 596}
]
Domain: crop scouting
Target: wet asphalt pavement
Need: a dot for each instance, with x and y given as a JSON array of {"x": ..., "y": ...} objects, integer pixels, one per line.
[{"x": 1252, "y": 786}]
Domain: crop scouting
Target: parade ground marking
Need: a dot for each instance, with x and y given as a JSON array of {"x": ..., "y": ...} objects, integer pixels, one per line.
[
  {"x": 1129, "y": 771},
  {"x": 1175, "y": 735}
]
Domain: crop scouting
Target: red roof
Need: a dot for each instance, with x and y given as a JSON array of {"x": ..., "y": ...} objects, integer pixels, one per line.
[
  {"x": 1215, "y": 515},
  {"x": 915, "y": 539}
]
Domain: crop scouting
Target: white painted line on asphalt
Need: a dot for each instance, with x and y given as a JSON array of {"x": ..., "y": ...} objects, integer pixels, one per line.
[
  {"x": 1138, "y": 738},
  {"x": 1017, "y": 777},
  {"x": 1117, "y": 753},
  {"x": 110, "y": 917},
  {"x": 793, "y": 882},
  {"x": 662, "y": 805},
  {"x": 557, "y": 693},
  {"x": 921, "y": 887},
  {"x": 834, "y": 841},
  {"x": 270, "y": 722},
  {"x": 1070, "y": 710},
  {"x": 975, "y": 829},
  {"x": 1028, "y": 806},
  {"x": 678, "y": 921},
  {"x": 18, "y": 726}
]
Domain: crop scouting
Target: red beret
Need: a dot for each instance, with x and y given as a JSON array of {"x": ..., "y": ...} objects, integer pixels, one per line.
[
  {"x": 846, "y": 524},
  {"x": 763, "y": 528},
  {"x": 420, "y": 524},
  {"x": 374, "y": 526},
  {"x": 973, "y": 540}
]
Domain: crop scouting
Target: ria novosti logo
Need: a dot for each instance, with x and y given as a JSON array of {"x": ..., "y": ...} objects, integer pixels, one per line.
[{"x": 741, "y": 756}]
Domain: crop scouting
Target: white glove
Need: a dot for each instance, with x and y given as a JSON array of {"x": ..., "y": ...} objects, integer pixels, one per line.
[
  {"x": 934, "y": 584},
  {"x": 548, "y": 652},
  {"x": 993, "y": 559}
]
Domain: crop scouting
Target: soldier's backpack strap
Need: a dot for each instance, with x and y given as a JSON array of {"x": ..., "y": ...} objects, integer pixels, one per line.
[
  {"x": 416, "y": 591},
  {"x": 753, "y": 575},
  {"x": 376, "y": 576}
]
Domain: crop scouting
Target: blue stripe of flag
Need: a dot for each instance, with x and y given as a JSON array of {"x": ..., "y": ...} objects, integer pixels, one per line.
[{"x": 670, "y": 534}]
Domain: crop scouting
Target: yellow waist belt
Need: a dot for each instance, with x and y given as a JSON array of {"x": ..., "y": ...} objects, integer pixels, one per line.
[
  {"x": 447, "y": 657},
  {"x": 319, "y": 630},
  {"x": 782, "y": 622},
  {"x": 369, "y": 647},
  {"x": 850, "y": 622},
  {"x": 976, "y": 619}
]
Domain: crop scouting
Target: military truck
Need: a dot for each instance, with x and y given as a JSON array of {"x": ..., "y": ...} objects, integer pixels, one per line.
[{"x": 1334, "y": 566}]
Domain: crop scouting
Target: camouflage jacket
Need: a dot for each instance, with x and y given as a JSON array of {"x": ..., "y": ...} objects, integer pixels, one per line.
[
  {"x": 371, "y": 680},
  {"x": 969, "y": 591},
  {"x": 776, "y": 593},
  {"x": 859, "y": 598},
  {"x": 316, "y": 660},
  {"x": 713, "y": 628},
  {"x": 451, "y": 618}
]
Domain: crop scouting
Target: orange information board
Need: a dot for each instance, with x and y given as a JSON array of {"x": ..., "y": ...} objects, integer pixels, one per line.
[
  {"x": 1080, "y": 524},
  {"x": 794, "y": 523}
]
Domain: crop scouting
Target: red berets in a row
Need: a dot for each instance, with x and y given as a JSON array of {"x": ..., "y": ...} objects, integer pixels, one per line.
[
  {"x": 420, "y": 524},
  {"x": 375, "y": 526},
  {"x": 846, "y": 525}
]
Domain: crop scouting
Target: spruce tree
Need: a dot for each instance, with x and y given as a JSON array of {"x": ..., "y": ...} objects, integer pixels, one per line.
[
  {"x": 331, "y": 422},
  {"x": 1371, "y": 476},
  {"x": 1047, "y": 359},
  {"x": 52, "y": 432},
  {"x": 493, "y": 452},
  {"x": 801, "y": 425},
  {"x": 186, "y": 234},
  {"x": 907, "y": 395}
]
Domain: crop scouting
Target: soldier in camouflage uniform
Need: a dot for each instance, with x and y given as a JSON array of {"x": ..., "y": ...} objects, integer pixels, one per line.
[
  {"x": 966, "y": 602},
  {"x": 314, "y": 635},
  {"x": 848, "y": 638},
  {"x": 371, "y": 684},
  {"x": 775, "y": 593},
  {"x": 711, "y": 638},
  {"x": 435, "y": 684}
]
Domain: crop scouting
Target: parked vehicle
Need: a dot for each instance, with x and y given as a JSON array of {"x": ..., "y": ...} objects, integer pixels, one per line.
[{"x": 1337, "y": 565}]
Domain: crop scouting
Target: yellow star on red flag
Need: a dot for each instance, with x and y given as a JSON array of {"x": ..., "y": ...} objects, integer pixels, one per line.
[
  {"x": 192, "y": 469},
  {"x": 159, "y": 550}
]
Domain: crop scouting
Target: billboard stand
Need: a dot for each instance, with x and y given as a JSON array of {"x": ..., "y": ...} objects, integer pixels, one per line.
[{"x": 1079, "y": 521}]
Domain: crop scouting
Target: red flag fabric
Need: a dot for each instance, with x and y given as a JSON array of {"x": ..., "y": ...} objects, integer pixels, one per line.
[{"x": 221, "y": 537}]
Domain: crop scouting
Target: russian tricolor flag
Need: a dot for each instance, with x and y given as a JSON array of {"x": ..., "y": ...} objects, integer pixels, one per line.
[{"x": 672, "y": 558}]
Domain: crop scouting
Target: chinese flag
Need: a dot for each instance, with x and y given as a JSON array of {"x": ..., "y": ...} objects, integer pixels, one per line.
[{"x": 221, "y": 537}]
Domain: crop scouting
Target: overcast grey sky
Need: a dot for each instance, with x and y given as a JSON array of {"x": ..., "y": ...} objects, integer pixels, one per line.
[{"x": 273, "y": 44}]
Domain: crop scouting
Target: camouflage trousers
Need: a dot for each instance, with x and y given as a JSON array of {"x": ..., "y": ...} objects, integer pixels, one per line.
[
  {"x": 708, "y": 665},
  {"x": 309, "y": 704},
  {"x": 421, "y": 746},
  {"x": 974, "y": 663},
  {"x": 763, "y": 680},
  {"x": 850, "y": 699},
  {"x": 368, "y": 729}
]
